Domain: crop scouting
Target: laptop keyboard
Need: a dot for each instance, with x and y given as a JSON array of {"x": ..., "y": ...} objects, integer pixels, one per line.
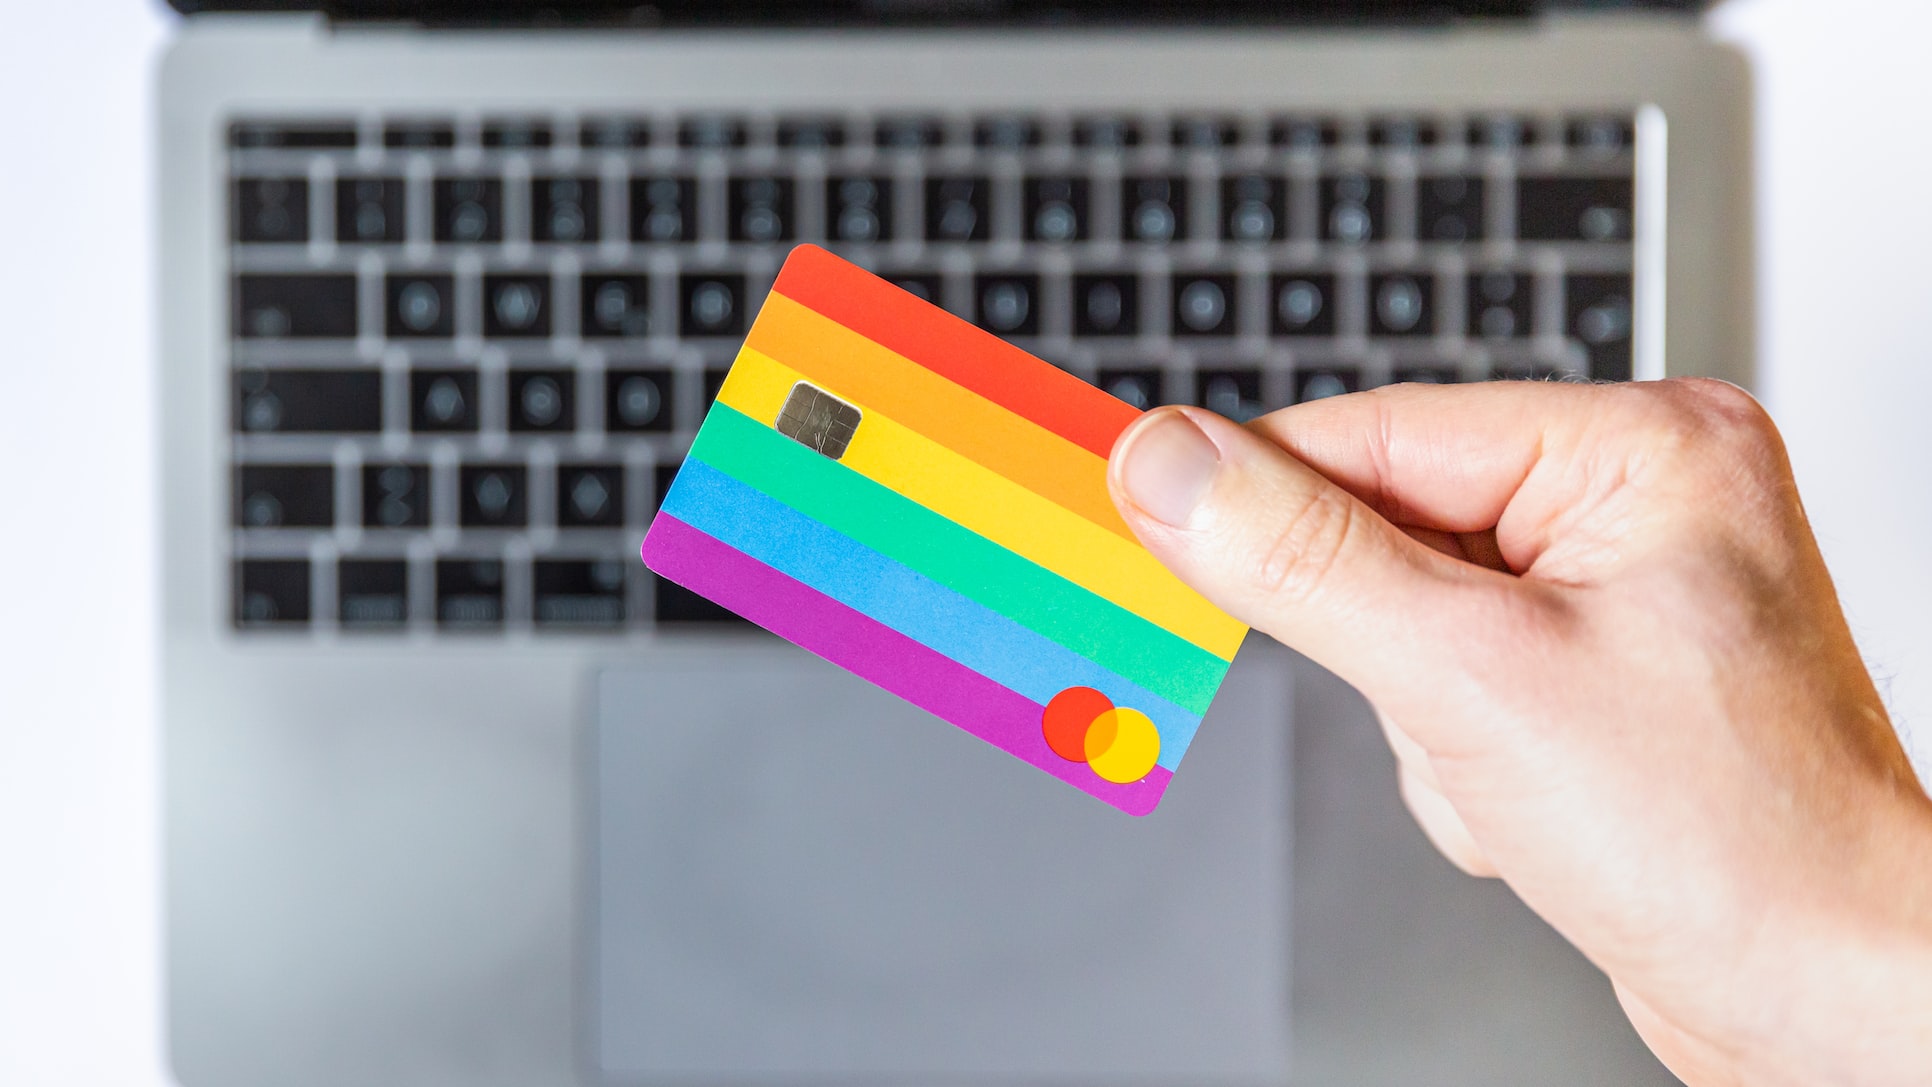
[{"x": 467, "y": 354}]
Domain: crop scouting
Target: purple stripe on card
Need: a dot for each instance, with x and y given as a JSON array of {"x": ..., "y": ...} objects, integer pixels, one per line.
[{"x": 875, "y": 652}]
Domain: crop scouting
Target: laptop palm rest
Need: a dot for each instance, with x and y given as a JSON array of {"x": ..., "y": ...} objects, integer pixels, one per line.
[{"x": 798, "y": 878}]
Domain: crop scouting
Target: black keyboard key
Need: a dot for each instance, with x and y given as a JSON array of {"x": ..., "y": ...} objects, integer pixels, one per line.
[
  {"x": 495, "y": 496},
  {"x": 811, "y": 133},
  {"x": 1449, "y": 208},
  {"x": 469, "y": 210},
  {"x": 1139, "y": 386},
  {"x": 1106, "y": 133},
  {"x": 614, "y": 133},
  {"x": 1235, "y": 394},
  {"x": 958, "y": 209},
  {"x": 1529, "y": 371},
  {"x": 578, "y": 592},
  {"x": 1302, "y": 305},
  {"x": 517, "y": 134},
  {"x": 664, "y": 209},
  {"x": 711, "y": 305},
  {"x": 761, "y": 209},
  {"x": 1401, "y": 304},
  {"x": 921, "y": 285},
  {"x": 1353, "y": 208},
  {"x": 420, "y": 306},
  {"x": 369, "y": 210},
  {"x": 442, "y": 401},
  {"x": 272, "y": 210},
  {"x": 469, "y": 592},
  {"x": 661, "y": 480},
  {"x": 1204, "y": 305},
  {"x": 285, "y": 496},
  {"x": 1254, "y": 208},
  {"x": 1056, "y": 209},
  {"x": 1597, "y": 311},
  {"x": 516, "y": 306},
  {"x": 543, "y": 401},
  {"x": 419, "y": 135},
  {"x": 1600, "y": 137},
  {"x": 712, "y": 133},
  {"x": 372, "y": 592},
  {"x": 324, "y": 136},
  {"x": 1321, "y": 382},
  {"x": 908, "y": 133},
  {"x": 714, "y": 379},
  {"x": 615, "y": 306},
  {"x": 637, "y": 401},
  {"x": 1428, "y": 375},
  {"x": 1402, "y": 133},
  {"x": 1501, "y": 305},
  {"x": 1303, "y": 133},
  {"x": 1006, "y": 133},
  {"x": 1205, "y": 133},
  {"x": 564, "y": 209},
  {"x": 1574, "y": 209},
  {"x": 272, "y": 307},
  {"x": 858, "y": 208},
  {"x": 1007, "y": 305},
  {"x": 395, "y": 496},
  {"x": 271, "y": 591},
  {"x": 590, "y": 496},
  {"x": 1106, "y": 305},
  {"x": 1153, "y": 208},
  {"x": 677, "y": 604},
  {"x": 308, "y": 401},
  {"x": 1503, "y": 133}
]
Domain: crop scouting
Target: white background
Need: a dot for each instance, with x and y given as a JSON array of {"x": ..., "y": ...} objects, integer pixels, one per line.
[{"x": 1845, "y": 209}]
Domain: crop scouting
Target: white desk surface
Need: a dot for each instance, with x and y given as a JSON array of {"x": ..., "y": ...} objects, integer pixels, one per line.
[{"x": 1846, "y": 366}]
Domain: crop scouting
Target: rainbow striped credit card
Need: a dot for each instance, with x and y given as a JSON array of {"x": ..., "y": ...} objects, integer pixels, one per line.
[{"x": 926, "y": 506}]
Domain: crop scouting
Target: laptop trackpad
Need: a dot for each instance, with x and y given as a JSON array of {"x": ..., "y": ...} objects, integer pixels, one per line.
[{"x": 800, "y": 878}]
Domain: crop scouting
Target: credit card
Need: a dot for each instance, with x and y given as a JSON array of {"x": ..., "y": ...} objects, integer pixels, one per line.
[{"x": 925, "y": 505}]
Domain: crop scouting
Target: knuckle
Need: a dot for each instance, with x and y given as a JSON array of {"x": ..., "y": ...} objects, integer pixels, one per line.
[
  {"x": 1708, "y": 425},
  {"x": 1296, "y": 557}
]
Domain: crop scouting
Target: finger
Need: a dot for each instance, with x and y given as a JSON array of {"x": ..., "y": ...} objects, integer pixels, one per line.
[{"x": 1443, "y": 826}]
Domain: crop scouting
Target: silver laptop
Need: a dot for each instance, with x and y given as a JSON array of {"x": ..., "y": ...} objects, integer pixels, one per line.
[{"x": 456, "y": 793}]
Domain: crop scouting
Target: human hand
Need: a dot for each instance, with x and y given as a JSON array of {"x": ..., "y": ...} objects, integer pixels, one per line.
[{"x": 1613, "y": 668}]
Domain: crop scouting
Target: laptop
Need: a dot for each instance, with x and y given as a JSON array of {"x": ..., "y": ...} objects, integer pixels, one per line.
[{"x": 457, "y": 793}]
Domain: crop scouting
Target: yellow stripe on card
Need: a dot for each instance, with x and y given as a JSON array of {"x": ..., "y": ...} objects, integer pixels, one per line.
[{"x": 995, "y": 507}]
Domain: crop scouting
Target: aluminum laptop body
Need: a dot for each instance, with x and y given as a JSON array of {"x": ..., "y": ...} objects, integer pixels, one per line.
[{"x": 456, "y": 794}]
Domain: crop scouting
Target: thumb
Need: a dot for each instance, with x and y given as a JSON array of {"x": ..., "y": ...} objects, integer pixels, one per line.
[{"x": 1280, "y": 547}]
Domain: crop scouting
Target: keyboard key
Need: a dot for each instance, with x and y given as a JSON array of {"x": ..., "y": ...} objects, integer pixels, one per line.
[
  {"x": 1302, "y": 305},
  {"x": 1582, "y": 209},
  {"x": 469, "y": 592},
  {"x": 615, "y": 306},
  {"x": 578, "y": 592},
  {"x": 711, "y": 305},
  {"x": 1597, "y": 311},
  {"x": 269, "y": 591},
  {"x": 542, "y": 401},
  {"x": 517, "y": 134},
  {"x": 1139, "y": 386},
  {"x": 372, "y": 592},
  {"x": 327, "y": 136},
  {"x": 1322, "y": 382},
  {"x": 272, "y": 210},
  {"x": 1056, "y": 209},
  {"x": 1235, "y": 394},
  {"x": 420, "y": 306},
  {"x": 1106, "y": 305},
  {"x": 614, "y": 133},
  {"x": 1153, "y": 209},
  {"x": 957, "y": 209},
  {"x": 419, "y": 136},
  {"x": 661, "y": 480},
  {"x": 1007, "y": 305},
  {"x": 395, "y": 496},
  {"x": 714, "y": 379},
  {"x": 637, "y": 401},
  {"x": 1402, "y": 305},
  {"x": 761, "y": 209},
  {"x": 1449, "y": 208},
  {"x": 921, "y": 285},
  {"x": 1501, "y": 305},
  {"x": 1254, "y": 208},
  {"x": 664, "y": 209},
  {"x": 1503, "y": 133},
  {"x": 1353, "y": 208},
  {"x": 469, "y": 210},
  {"x": 1205, "y": 133},
  {"x": 1428, "y": 375},
  {"x": 1600, "y": 137},
  {"x": 1106, "y": 133},
  {"x": 858, "y": 208},
  {"x": 285, "y": 496},
  {"x": 1303, "y": 133},
  {"x": 563, "y": 209},
  {"x": 712, "y": 133},
  {"x": 369, "y": 210},
  {"x": 1204, "y": 305},
  {"x": 1006, "y": 133},
  {"x": 676, "y": 604},
  {"x": 271, "y": 307},
  {"x": 495, "y": 496},
  {"x": 516, "y": 306},
  {"x": 908, "y": 133},
  {"x": 811, "y": 133},
  {"x": 590, "y": 496},
  {"x": 1402, "y": 133},
  {"x": 1529, "y": 371},
  {"x": 442, "y": 401},
  {"x": 308, "y": 401}
]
